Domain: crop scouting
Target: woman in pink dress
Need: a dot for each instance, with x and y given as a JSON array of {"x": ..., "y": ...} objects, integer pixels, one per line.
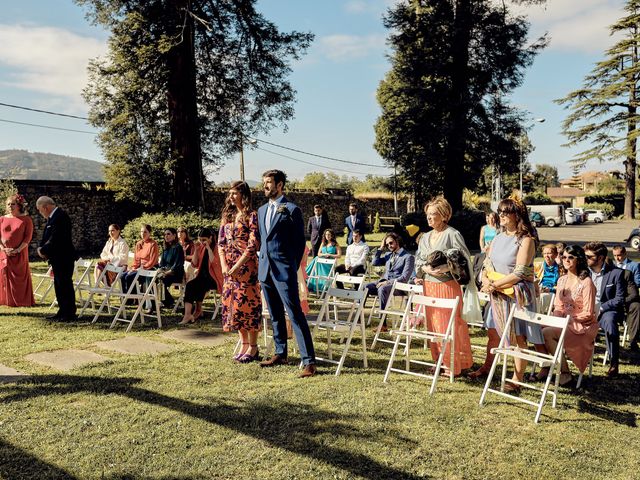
[
  {"x": 575, "y": 296},
  {"x": 16, "y": 230}
]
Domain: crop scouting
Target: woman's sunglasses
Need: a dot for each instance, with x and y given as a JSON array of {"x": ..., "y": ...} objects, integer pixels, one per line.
[{"x": 568, "y": 257}]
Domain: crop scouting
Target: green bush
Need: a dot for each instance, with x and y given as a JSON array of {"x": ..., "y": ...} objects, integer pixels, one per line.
[
  {"x": 160, "y": 221},
  {"x": 538, "y": 198},
  {"x": 376, "y": 223},
  {"x": 468, "y": 222},
  {"x": 607, "y": 208},
  {"x": 615, "y": 200},
  {"x": 7, "y": 188}
]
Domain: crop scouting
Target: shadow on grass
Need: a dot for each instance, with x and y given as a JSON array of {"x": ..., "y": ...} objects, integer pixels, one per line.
[
  {"x": 301, "y": 429},
  {"x": 16, "y": 463}
]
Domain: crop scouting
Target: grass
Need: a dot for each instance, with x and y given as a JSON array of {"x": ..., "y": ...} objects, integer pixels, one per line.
[{"x": 193, "y": 414}]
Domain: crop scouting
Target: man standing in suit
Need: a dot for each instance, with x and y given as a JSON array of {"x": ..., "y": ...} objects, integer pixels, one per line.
[
  {"x": 610, "y": 298},
  {"x": 282, "y": 245},
  {"x": 632, "y": 276},
  {"x": 56, "y": 246},
  {"x": 354, "y": 221},
  {"x": 316, "y": 227},
  {"x": 399, "y": 265}
]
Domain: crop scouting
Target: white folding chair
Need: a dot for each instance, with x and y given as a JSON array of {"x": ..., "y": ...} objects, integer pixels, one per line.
[
  {"x": 82, "y": 279},
  {"x": 142, "y": 295},
  {"x": 544, "y": 303},
  {"x": 217, "y": 303},
  {"x": 44, "y": 285},
  {"x": 399, "y": 290},
  {"x": 504, "y": 351},
  {"x": 348, "y": 324},
  {"x": 409, "y": 332},
  {"x": 107, "y": 291},
  {"x": 314, "y": 276}
]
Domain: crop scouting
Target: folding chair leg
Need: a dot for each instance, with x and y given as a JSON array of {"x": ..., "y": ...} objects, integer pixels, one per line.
[{"x": 393, "y": 357}]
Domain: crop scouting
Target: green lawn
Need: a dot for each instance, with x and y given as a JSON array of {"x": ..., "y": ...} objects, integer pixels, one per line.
[{"x": 194, "y": 414}]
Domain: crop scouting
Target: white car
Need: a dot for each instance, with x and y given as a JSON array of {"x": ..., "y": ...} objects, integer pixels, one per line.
[
  {"x": 597, "y": 216},
  {"x": 569, "y": 217}
]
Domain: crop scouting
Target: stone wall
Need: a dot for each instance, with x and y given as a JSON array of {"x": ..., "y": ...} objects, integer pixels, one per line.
[{"x": 92, "y": 208}]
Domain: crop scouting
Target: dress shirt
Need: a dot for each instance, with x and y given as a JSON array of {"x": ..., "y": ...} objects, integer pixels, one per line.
[
  {"x": 115, "y": 252},
  {"x": 356, "y": 254},
  {"x": 597, "y": 281}
]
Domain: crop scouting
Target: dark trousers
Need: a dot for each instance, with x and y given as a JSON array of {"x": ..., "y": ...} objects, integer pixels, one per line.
[
  {"x": 168, "y": 280},
  {"x": 63, "y": 286},
  {"x": 383, "y": 293},
  {"x": 284, "y": 295},
  {"x": 609, "y": 322},
  {"x": 315, "y": 247},
  {"x": 353, "y": 271},
  {"x": 196, "y": 289}
]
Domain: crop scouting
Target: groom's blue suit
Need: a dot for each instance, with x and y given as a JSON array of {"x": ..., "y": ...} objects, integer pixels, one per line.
[{"x": 281, "y": 250}]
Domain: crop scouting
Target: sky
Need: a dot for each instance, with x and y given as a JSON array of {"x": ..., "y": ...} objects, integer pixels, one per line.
[{"x": 44, "y": 52}]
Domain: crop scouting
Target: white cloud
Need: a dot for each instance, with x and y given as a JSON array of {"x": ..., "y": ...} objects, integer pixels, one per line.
[
  {"x": 575, "y": 26},
  {"x": 47, "y": 60},
  {"x": 342, "y": 47}
]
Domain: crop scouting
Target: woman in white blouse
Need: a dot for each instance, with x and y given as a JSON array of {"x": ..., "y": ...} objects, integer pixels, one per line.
[{"x": 115, "y": 252}]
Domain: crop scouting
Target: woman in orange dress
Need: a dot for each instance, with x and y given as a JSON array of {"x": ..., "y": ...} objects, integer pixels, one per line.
[
  {"x": 575, "y": 296},
  {"x": 16, "y": 230},
  {"x": 439, "y": 282},
  {"x": 238, "y": 246}
]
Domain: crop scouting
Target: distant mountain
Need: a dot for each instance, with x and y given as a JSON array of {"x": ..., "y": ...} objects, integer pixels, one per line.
[{"x": 25, "y": 165}]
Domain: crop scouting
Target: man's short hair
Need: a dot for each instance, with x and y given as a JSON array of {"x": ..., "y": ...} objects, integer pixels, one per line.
[
  {"x": 353, "y": 204},
  {"x": 357, "y": 230},
  {"x": 44, "y": 200},
  {"x": 318, "y": 206},
  {"x": 277, "y": 175},
  {"x": 620, "y": 249},
  {"x": 395, "y": 236},
  {"x": 598, "y": 248}
]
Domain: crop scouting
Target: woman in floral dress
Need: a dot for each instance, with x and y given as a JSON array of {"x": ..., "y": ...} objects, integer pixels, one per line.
[{"x": 238, "y": 246}]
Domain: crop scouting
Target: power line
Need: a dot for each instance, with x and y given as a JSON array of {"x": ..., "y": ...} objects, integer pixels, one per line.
[
  {"x": 20, "y": 107},
  {"x": 308, "y": 163},
  {"x": 321, "y": 156},
  {"x": 47, "y": 126}
]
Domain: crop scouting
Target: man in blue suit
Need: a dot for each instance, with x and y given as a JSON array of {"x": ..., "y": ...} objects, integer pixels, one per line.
[
  {"x": 610, "y": 297},
  {"x": 354, "y": 221},
  {"x": 398, "y": 265},
  {"x": 633, "y": 305},
  {"x": 282, "y": 245}
]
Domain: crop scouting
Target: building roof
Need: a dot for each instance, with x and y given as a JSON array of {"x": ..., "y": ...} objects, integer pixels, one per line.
[{"x": 565, "y": 192}]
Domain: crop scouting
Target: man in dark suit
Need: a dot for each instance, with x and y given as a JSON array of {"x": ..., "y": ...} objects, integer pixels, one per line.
[
  {"x": 282, "y": 245},
  {"x": 611, "y": 290},
  {"x": 632, "y": 275},
  {"x": 56, "y": 246},
  {"x": 354, "y": 221},
  {"x": 316, "y": 227}
]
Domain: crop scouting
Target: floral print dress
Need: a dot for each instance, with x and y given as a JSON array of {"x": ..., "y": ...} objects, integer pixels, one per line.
[{"x": 241, "y": 303}]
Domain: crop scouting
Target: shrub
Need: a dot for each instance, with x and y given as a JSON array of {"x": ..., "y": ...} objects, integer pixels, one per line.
[
  {"x": 7, "y": 188},
  {"x": 376, "y": 223},
  {"x": 160, "y": 221},
  {"x": 615, "y": 200},
  {"x": 607, "y": 208},
  {"x": 538, "y": 198},
  {"x": 468, "y": 222}
]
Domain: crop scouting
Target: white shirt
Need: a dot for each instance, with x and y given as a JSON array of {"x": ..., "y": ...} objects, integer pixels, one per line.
[
  {"x": 116, "y": 253},
  {"x": 356, "y": 254},
  {"x": 597, "y": 281}
]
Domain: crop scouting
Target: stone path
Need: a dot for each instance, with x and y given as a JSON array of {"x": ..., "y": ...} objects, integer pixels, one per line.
[
  {"x": 135, "y": 346},
  {"x": 199, "y": 337},
  {"x": 66, "y": 360},
  {"x": 8, "y": 374}
]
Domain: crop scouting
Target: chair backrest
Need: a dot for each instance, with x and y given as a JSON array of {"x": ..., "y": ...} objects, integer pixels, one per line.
[
  {"x": 326, "y": 261},
  {"x": 343, "y": 278},
  {"x": 110, "y": 267},
  {"x": 353, "y": 295},
  {"x": 484, "y": 297},
  {"x": 540, "y": 319},
  {"x": 407, "y": 287},
  {"x": 433, "y": 302}
]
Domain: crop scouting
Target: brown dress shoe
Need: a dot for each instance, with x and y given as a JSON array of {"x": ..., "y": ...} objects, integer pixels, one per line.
[
  {"x": 309, "y": 371},
  {"x": 613, "y": 372},
  {"x": 274, "y": 361}
]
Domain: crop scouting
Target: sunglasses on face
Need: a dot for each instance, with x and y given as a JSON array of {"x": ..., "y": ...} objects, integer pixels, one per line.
[
  {"x": 390, "y": 244},
  {"x": 504, "y": 212},
  {"x": 591, "y": 257},
  {"x": 568, "y": 257}
]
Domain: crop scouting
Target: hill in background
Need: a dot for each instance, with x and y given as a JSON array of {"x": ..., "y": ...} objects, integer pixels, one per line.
[{"x": 25, "y": 165}]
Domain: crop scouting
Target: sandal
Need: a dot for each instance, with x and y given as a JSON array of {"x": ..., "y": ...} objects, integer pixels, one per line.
[
  {"x": 478, "y": 374},
  {"x": 511, "y": 388},
  {"x": 248, "y": 358},
  {"x": 237, "y": 356}
]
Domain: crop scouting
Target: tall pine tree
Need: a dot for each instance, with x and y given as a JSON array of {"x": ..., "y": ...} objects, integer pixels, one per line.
[
  {"x": 445, "y": 114},
  {"x": 183, "y": 81},
  {"x": 605, "y": 110}
]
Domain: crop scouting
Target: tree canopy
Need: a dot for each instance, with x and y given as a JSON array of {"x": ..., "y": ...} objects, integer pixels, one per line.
[
  {"x": 445, "y": 113},
  {"x": 603, "y": 111},
  {"x": 182, "y": 84}
]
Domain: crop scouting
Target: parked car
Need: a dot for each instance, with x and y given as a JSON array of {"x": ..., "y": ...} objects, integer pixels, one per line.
[
  {"x": 553, "y": 214},
  {"x": 578, "y": 214},
  {"x": 537, "y": 220},
  {"x": 570, "y": 217},
  {"x": 633, "y": 240},
  {"x": 597, "y": 216}
]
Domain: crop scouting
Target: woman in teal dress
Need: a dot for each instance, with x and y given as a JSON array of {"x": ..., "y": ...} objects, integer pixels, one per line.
[
  {"x": 328, "y": 249},
  {"x": 489, "y": 231}
]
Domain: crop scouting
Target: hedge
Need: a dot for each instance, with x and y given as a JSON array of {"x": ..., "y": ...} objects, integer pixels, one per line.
[{"x": 160, "y": 221}]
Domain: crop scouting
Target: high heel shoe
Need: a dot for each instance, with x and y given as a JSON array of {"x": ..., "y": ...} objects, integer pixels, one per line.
[
  {"x": 238, "y": 356},
  {"x": 187, "y": 322}
]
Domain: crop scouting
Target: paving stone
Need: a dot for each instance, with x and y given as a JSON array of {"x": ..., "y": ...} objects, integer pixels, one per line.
[
  {"x": 135, "y": 346},
  {"x": 191, "y": 335},
  {"x": 66, "y": 359},
  {"x": 8, "y": 374}
]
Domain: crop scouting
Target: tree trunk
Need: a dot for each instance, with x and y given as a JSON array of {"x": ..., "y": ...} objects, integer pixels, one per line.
[
  {"x": 630, "y": 161},
  {"x": 188, "y": 188},
  {"x": 457, "y": 136}
]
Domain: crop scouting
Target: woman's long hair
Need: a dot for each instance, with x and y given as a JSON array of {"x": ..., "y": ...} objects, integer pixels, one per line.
[
  {"x": 174, "y": 232},
  {"x": 229, "y": 211},
  {"x": 332, "y": 240},
  {"x": 582, "y": 268},
  {"x": 523, "y": 225}
]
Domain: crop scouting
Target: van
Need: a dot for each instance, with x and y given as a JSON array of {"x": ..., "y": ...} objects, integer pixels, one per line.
[{"x": 553, "y": 214}]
